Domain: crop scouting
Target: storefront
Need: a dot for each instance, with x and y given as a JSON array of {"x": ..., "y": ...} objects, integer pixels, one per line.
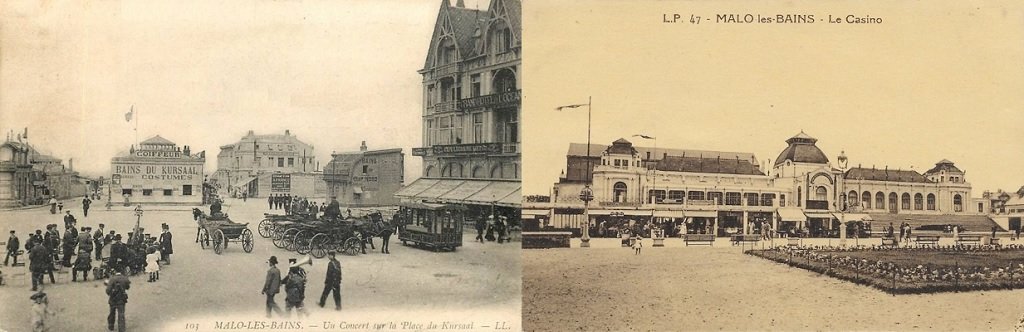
[{"x": 158, "y": 172}]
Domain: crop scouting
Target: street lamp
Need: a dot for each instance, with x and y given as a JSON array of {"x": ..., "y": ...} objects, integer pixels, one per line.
[
  {"x": 842, "y": 208},
  {"x": 654, "y": 188},
  {"x": 586, "y": 195}
]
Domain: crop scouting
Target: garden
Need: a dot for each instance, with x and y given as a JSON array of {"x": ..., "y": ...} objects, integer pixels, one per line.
[{"x": 910, "y": 270}]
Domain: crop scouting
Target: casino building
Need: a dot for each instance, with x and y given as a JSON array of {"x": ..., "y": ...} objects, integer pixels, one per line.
[
  {"x": 471, "y": 107},
  {"x": 261, "y": 165},
  {"x": 365, "y": 178},
  {"x": 725, "y": 193},
  {"x": 158, "y": 172}
]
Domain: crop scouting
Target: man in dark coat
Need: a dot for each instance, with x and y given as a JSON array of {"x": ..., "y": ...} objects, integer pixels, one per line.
[
  {"x": 295, "y": 291},
  {"x": 98, "y": 243},
  {"x": 13, "y": 245},
  {"x": 166, "y": 248},
  {"x": 117, "y": 290},
  {"x": 333, "y": 210},
  {"x": 85, "y": 206},
  {"x": 118, "y": 254},
  {"x": 39, "y": 262},
  {"x": 70, "y": 240},
  {"x": 333, "y": 282},
  {"x": 69, "y": 219},
  {"x": 480, "y": 226},
  {"x": 272, "y": 286},
  {"x": 270, "y": 202}
]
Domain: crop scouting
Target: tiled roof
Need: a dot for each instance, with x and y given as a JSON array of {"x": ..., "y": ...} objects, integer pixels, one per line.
[
  {"x": 465, "y": 21},
  {"x": 944, "y": 165},
  {"x": 157, "y": 140},
  {"x": 801, "y": 149},
  {"x": 859, "y": 173},
  {"x": 580, "y": 150},
  {"x": 708, "y": 165}
]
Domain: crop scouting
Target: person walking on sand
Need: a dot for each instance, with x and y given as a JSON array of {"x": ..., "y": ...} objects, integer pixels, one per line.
[
  {"x": 333, "y": 282},
  {"x": 637, "y": 244},
  {"x": 117, "y": 291},
  {"x": 272, "y": 286},
  {"x": 41, "y": 312}
]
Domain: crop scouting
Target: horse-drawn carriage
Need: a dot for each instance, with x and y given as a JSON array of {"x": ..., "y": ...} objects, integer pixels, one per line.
[
  {"x": 217, "y": 230},
  {"x": 437, "y": 226},
  {"x": 305, "y": 234}
]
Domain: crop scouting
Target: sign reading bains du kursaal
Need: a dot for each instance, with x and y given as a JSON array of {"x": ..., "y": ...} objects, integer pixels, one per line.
[{"x": 158, "y": 172}]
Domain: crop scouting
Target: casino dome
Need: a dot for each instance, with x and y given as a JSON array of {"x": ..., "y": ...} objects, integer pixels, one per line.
[{"x": 801, "y": 149}]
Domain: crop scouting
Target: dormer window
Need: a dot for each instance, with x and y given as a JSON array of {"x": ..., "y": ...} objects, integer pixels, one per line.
[{"x": 500, "y": 37}]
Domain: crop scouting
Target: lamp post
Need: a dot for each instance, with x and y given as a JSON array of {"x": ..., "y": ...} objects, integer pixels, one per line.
[
  {"x": 654, "y": 187},
  {"x": 842, "y": 208},
  {"x": 586, "y": 195}
]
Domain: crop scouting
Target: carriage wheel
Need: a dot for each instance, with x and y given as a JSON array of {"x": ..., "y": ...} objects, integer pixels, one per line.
[
  {"x": 204, "y": 238},
  {"x": 247, "y": 240},
  {"x": 302, "y": 241},
  {"x": 318, "y": 245},
  {"x": 351, "y": 246},
  {"x": 289, "y": 239},
  {"x": 264, "y": 228},
  {"x": 278, "y": 236},
  {"x": 219, "y": 241}
]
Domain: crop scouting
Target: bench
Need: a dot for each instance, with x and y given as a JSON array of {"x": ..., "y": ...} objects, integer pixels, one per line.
[
  {"x": 699, "y": 239},
  {"x": 994, "y": 241},
  {"x": 737, "y": 239},
  {"x": 927, "y": 240},
  {"x": 889, "y": 241},
  {"x": 543, "y": 240},
  {"x": 793, "y": 242},
  {"x": 968, "y": 239}
]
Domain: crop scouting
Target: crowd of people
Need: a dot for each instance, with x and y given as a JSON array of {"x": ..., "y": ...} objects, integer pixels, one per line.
[
  {"x": 82, "y": 249},
  {"x": 491, "y": 229},
  {"x": 294, "y": 284}
]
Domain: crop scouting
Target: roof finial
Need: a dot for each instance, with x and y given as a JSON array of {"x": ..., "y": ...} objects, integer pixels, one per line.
[{"x": 460, "y": 4}]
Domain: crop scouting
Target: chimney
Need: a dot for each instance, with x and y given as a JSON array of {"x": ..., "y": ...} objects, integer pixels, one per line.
[
  {"x": 287, "y": 132},
  {"x": 250, "y": 133},
  {"x": 362, "y": 147},
  {"x": 460, "y": 4},
  {"x": 71, "y": 164}
]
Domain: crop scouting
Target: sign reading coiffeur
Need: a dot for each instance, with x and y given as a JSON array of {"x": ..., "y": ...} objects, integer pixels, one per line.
[
  {"x": 157, "y": 154},
  {"x": 158, "y": 172}
]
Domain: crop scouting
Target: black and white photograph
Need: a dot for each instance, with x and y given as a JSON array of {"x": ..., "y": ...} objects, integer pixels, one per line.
[
  {"x": 261, "y": 165},
  {"x": 773, "y": 165}
]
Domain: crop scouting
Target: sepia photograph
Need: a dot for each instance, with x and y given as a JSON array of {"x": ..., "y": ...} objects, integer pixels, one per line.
[
  {"x": 261, "y": 165},
  {"x": 778, "y": 165}
]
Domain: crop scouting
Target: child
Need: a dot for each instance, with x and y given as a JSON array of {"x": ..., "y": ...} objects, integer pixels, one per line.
[
  {"x": 40, "y": 311},
  {"x": 152, "y": 264},
  {"x": 637, "y": 244}
]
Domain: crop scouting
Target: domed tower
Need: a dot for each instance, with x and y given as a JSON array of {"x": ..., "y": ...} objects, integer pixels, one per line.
[
  {"x": 945, "y": 172},
  {"x": 801, "y": 150},
  {"x": 804, "y": 166}
]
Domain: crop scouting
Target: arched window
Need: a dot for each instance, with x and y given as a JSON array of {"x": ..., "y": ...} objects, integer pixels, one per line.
[
  {"x": 499, "y": 36},
  {"x": 893, "y": 200},
  {"x": 880, "y": 200},
  {"x": 918, "y": 201},
  {"x": 504, "y": 81},
  {"x": 852, "y": 198},
  {"x": 478, "y": 172},
  {"x": 905, "y": 201},
  {"x": 821, "y": 194},
  {"x": 865, "y": 200},
  {"x": 619, "y": 192},
  {"x": 496, "y": 172},
  {"x": 431, "y": 172},
  {"x": 931, "y": 202},
  {"x": 446, "y": 52},
  {"x": 958, "y": 203}
]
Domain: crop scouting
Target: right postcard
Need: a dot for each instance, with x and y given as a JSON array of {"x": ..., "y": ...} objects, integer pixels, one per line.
[{"x": 774, "y": 165}]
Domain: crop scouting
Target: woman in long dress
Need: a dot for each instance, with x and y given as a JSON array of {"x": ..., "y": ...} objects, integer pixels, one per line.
[{"x": 153, "y": 264}]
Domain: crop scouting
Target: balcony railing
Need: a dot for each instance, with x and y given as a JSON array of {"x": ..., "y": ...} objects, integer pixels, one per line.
[
  {"x": 817, "y": 205},
  {"x": 441, "y": 107},
  {"x": 504, "y": 99},
  {"x": 509, "y": 148},
  {"x": 445, "y": 70}
]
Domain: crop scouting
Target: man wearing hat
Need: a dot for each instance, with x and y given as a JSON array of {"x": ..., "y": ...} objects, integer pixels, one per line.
[
  {"x": 97, "y": 243},
  {"x": 39, "y": 262},
  {"x": 117, "y": 290},
  {"x": 13, "y": 245},
  {"x": 295, "y": 289},
  {"x": 166, "y": 248},
  {"x": 272, "y": 286},
  {"x": 333, "y": 282},
  {"x": 118, "y": 254}
]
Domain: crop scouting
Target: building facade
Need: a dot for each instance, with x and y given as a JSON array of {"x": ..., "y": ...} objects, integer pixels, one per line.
[
  {"x": 471, "y": 107},
  {"x": 16, "y": 176},
  {"x": 262, "y": 165},
  {"x": 365, "y": 178},
  {"x": 29, "y": 177},
  {"x": 158, "y": 172},
  {"x": 728, "y": 193}
]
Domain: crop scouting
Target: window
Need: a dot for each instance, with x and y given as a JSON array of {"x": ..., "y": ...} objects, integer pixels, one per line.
[
  {"x": 457, "y": 129},
  {"x": 291, "y": 162},
  {"x": 445, "y": 133},
  {"x": 474, "y": 85},
  {"x": 365, "y": 169},
  {"x": 751, "y": 199},
  {"x": 186, "y": 190},
  {"x": 981, "y": 207},
  {"x": 865, "y": 200},
  {"x": 782, "y": 200},
  {"x": 656, "y": 196},
  {"x": 619, "y": 192},
  {"x": 880, "y": 200},
  {"x": 431, "y": 95},
  {"x": 478, "y": 128},
  {"x": 676, "y": 196},
  {"x": 958, "y": 203},
  {"x": 905, "y": 201},
  {"x": 918, "y": 201},
  {"x": 695, "y": 195},
  {"x": 715, "y": 196},
  {"x": 931, "y": 202},
  {"x": 168, "y": 192},
  {"x": 126, "y": 192},
  {"x": 821, "y": 194},
  {"x": 429, "y": 140},
  {"x": 893, "y": 200},
  {"x": 767, "y": 199},
  {"x": 147, "y": 192}
]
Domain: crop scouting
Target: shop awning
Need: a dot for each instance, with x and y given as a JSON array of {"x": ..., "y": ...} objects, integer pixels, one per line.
[
  {"x": 668, "y": 214},
  {"x": 701, "y": 214},
  {"x": 416, "y": 187},
  {"x": 818, "y": 215},
  {"x": 791, "y": 214},
  {"x": 502, "y": 193},
  {"x": 513, "y": 199},
  {"x": 357, "y": 190},
  {"x": 440, "y": 188},
  {"x": 532, "y": 212},
  {"x": 600, "y": 212},
  {"x": 244, "y": 183},
  {"x": 464, "y": 191},
  {"x": 852, "y": 217}
]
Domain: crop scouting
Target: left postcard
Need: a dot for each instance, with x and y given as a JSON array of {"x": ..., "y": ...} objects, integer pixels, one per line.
[{"x": 260, "y": 165}]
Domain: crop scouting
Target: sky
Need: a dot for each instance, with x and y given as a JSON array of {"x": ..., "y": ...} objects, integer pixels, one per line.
[
  {"x": 203, "y": 73},
  {"x": 942, "y": 80}
]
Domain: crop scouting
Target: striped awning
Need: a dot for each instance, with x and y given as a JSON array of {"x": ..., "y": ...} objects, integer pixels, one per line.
[{"x": 791, "y": 214}]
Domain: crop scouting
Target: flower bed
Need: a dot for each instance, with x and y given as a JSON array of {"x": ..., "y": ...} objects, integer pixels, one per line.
[{"x": 910, "y": 270}]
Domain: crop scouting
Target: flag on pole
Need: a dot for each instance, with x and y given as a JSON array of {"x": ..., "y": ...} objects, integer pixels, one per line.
[
  {"x": 559, "y": 108},
  {"x": 128, "y": 116},
  {"x": 643, "y": 136}
]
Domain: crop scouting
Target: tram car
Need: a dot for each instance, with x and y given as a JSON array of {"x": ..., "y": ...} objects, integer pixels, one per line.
[{"x": 435, "y": 226}]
